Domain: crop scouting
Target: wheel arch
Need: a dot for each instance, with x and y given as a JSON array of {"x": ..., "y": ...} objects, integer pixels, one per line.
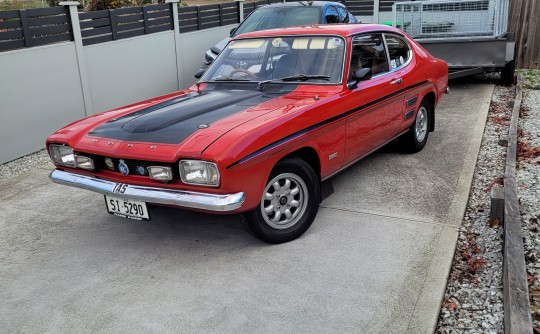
[{"x": 309, "y": 155}]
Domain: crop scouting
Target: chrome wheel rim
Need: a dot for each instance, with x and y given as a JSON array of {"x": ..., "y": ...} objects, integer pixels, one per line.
[
  {"x": 421, "y": 124},
  {"x": 284, "y": 201}
]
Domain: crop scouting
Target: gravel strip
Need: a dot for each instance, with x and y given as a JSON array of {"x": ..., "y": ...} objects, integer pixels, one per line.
[
  {"x": 473, "y": 301},
  {"x": 528, "y": 179},
  {"x": 22, "y": 165}
]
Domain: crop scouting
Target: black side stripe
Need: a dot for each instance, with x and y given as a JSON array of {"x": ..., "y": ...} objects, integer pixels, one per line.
[{"x": 321, "y": 124}]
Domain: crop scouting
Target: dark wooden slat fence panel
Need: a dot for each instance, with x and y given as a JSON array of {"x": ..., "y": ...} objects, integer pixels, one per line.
[
  {"x": 16, "y": 24},
  {"x": 97, "y": 23},
  {"x": 131, "y": 26},
  {"x": 9, "y": 14},
  {"x": 33, "y": 27},
  {"x": 11, "y": 45},
  {"x": 45, "y": 20},
  {"x": 96, "y": 32},
  {"x": 96, "y": 27},
  {"x": 97, "y": 40},
  {"x": 25, "y": 28},
  {"x": 11, "y": 33},
  {"x": 130, "y": 18},
  {"x": 93, "y": 15}
]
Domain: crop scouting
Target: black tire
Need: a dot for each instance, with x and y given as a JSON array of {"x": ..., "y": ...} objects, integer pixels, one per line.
[
  {"x": 298, "y": 185},
  {"x": 416, "y": 138},
  {"x": 508, "y": 73}
]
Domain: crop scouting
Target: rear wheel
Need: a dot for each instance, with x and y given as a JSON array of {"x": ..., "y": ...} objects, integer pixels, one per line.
[
  {"x": 416, "y": 138},
  {"x": 289, "y": 203}
]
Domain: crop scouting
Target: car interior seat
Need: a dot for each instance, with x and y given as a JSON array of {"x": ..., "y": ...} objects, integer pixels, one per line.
[{"x": 288, "y": 65}]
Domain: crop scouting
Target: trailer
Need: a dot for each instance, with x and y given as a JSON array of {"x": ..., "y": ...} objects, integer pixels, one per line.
[{"x": 470, "y": 35}]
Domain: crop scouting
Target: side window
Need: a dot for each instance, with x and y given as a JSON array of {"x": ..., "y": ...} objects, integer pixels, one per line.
[
  {"x": 398, "y": 51},
  {"x": 331, "y": 15},
  {"x": 368, "y": 52}
]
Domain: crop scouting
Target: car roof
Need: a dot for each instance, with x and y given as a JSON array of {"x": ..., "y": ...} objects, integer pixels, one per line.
[
  {"x": 302, "y": 4},
  {"x": 323, "y": 29}
]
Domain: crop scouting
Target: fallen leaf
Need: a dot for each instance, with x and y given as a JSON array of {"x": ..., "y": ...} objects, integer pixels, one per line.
[
  {"x": 451, "y": 306},
  {"x": 530, "y": 278},
  {"x": 475, "y": 264},
  {"x": 494, "y": 223}
]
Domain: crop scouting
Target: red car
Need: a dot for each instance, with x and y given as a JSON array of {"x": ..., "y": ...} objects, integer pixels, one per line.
[{"x": 277, "y": 113}]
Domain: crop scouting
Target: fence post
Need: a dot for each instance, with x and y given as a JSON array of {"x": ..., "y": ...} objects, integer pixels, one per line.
[
  {"x": 79, "y": 51},
  {"x": 240, "y": 4},
  {"x": 178, "y": 52},
  {"x": 376, "y": 5}
]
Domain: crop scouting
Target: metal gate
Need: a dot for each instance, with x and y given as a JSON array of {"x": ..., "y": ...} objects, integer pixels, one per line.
[{"x": 452, "y": 18}]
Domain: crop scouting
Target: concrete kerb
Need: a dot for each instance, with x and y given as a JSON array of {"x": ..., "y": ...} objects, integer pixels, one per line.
[
  {"x": 423, "y": 319},
  {"x": 517, "y": 313}
]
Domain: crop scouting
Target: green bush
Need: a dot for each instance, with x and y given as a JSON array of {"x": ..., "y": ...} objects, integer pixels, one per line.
[{"x": 531, "y": 78}]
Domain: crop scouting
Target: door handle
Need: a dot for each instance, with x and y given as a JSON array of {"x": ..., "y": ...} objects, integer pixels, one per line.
[{"x": 397, "y": 81}]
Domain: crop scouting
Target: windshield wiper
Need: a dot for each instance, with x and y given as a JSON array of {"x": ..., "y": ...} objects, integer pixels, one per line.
[
  {"x": 305, "y": 77},
  {"x": 229, "y": 79},
  {"x": 296, "y": 77}
]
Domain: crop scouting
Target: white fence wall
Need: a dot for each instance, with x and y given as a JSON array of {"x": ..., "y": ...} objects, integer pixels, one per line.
[
  {"x": 192, "y": 47},
  {"x": 41, "y": 88},
  {"x": 132, "y": 69}
]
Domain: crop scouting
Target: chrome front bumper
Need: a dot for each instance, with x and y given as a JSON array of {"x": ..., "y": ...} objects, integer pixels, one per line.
[{"x": 185, "y": 199}]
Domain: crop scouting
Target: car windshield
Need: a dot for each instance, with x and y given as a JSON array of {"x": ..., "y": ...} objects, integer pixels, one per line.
[
  {"x": 275, "y": 17},
  {"x": 311, "y": 59}
]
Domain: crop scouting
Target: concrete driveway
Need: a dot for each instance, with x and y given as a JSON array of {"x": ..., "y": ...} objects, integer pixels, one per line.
[{"x": 374, "y": 261}]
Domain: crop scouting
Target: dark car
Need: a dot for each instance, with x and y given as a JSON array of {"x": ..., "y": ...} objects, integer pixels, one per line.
[{"x": 281, "y": 15}]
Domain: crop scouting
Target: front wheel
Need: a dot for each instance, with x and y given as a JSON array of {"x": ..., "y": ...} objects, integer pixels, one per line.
[
  {"x": 415, "y": 139},
  {"x": 289, "y": 203}
]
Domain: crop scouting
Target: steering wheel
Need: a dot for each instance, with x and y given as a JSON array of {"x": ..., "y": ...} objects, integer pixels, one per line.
[{"x": 241, "y": 70}]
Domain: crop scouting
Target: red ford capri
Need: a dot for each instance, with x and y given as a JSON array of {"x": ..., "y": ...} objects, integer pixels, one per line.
[{"x": 276, "y": 114}]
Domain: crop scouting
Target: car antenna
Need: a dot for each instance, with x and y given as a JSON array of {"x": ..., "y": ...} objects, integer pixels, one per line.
[{"x": 310, "y": 2}]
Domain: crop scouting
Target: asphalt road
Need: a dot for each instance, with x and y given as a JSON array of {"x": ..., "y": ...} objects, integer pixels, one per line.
[{"x": 374, "y": 261}]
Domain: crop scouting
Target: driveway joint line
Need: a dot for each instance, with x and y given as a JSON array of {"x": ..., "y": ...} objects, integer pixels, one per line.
[{"x": 380, "y": 214}]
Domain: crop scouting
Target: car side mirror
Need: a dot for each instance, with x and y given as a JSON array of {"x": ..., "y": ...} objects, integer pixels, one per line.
[
  {"x": 232, "y": 31},
  {"x": 359, "y": 75},
  {"x": 199, "y": 73}
]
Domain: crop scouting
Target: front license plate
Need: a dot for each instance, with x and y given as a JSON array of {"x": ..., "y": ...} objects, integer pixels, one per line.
[{"x": 127, "y": 208}]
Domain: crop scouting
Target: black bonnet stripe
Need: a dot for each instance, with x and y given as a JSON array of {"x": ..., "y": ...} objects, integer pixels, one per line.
[{"x": 172, "y": 121}]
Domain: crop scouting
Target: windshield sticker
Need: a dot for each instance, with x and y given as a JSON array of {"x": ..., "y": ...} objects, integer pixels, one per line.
[{"x": 336, "y": 42}]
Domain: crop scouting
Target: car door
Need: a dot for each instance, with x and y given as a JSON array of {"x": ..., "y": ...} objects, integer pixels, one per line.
[
  {"x": 401, "y": 70},
  {"x": 372, "y": 104}
]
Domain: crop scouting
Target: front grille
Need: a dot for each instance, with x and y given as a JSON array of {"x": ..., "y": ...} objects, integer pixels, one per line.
[{"x": 135, "y": 167}]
